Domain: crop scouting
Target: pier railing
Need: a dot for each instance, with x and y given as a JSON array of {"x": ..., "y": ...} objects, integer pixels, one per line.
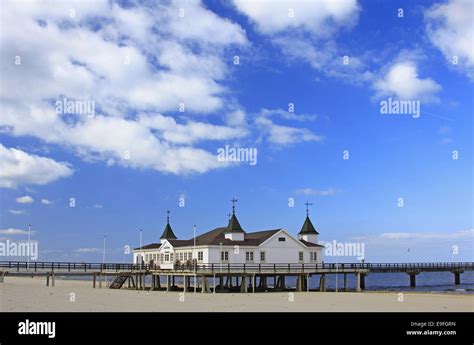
[{"x": 234, "y": 268}]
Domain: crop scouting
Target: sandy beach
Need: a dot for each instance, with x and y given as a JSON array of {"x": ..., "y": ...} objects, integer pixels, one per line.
[{"x": 30, "y": 294}]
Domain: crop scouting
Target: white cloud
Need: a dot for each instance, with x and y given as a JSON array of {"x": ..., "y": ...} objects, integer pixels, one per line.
[
  {"x": 172, "y": 60},
  {"x": 98, "y": 206},
  {"x": 285, "y": 135},
  {"x": 311, "y": 191},
  {"x": 25, "y": 199},
  {"x": 402, "y": 80},
  {"x": 318, "y": 17},
  {"x": 20, "y": 168},
  {"x": 46, "y": 202},
  {"x": 16, "y": 212},
  {"x": 87, "y": 250},
  {"x": 282, "y": 135},
  {"x": 425, "y": 236},
  {"x": 310, "y": 34},
  {"x": 284, "y": 114},
  {"x": 190, "y": 132},
  {"x": 450, "y": 27},
  {"x": 12, "y": 231}
]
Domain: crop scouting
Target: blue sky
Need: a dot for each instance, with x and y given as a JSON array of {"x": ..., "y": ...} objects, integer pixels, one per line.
[{"x": 131, "y": 161}]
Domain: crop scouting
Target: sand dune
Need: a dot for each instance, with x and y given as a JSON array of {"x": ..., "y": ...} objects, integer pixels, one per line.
[{"x": 31, "y": 294}]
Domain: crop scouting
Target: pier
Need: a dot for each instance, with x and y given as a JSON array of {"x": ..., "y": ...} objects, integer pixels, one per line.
[{"x": 221, "y": 277}]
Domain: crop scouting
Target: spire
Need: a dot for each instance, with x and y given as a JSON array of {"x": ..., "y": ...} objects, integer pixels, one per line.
[
  {"x": 234, "y": 225},
  {"x": 308, "y": 227},
  {"x": 168, "y": 232}
]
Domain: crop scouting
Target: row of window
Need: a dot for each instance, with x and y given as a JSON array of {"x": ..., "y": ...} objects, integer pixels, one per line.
[{"x": 184, "y": 256}]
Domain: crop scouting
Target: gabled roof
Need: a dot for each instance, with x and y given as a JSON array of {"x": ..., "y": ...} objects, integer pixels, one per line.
[
  {"x": 217, "y": 236},
  {"x": 234, "y": 225},
  {"x": 308, "y": 228},
  {"x": 168, "y": 233},
  {"x": 310, "y": 244},
  {"x": 149, "y": 246}
]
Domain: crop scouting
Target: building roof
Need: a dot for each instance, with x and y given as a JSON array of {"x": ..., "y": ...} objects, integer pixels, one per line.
[
  {"x": 234, "y": 225},
  {"x": 149, "y": 246},
  {"x": 217, "y": 236},
  {"x": 308, "y": 228},
  {"x": 310, "y": 244},
  {"x": 168, "y": 233}
]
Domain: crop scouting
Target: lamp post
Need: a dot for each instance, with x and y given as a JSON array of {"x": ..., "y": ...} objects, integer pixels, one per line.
[
  {"x": 141, "y": 255},
  {"x": 103, "y": 252},
  {"x": 194, "y": 260},
  {"x": 194, "y": 246},
  {"x": 29, "y": 249},
  {"x": 220, "y": 248}
]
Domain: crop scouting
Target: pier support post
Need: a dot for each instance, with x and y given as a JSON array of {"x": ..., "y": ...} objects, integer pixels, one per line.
[
  {"x": 322, "y": 282},
  {"x": 412, "y": 279},
  {"x": 299, "y": 283},
  {"x": 457, "y": 278},
  {"x": 2, "y": 274},
  {"x": 358, "y": 287},
  {"x": 362, "y": 281},
  {"x": 345, "y": 282},
  {"x": 185, "y": 283},
  {"x": 93, "y": 280},
  {"x": 243, "y": 284},
  {"x": 47, "y": 279},
  {"x": 52, "y": 279},
  {"x": 221, "y": 282},
  {"x": 204, "y": 285}
]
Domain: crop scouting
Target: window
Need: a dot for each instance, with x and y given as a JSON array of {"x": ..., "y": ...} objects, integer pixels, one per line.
[
  {"x": 225, "y": 256},
  {"x": 249, "y": 256},
  {"x": 300, "y": 256},
  {"x": 281, "y": 239},
  {"x": 200, "y": 256},
  {"x": 262, "y": 256},
  {"x": 185, "y": 256},
  {"x": 190, "y": 255},
  {"x": 167, "y": 257},
  {"x": 313, "y": 256}
]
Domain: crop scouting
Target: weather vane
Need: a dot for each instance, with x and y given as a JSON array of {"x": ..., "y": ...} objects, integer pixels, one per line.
[
  {"x": 234, "y": 200},
  {"x": 307, "y": 207}
]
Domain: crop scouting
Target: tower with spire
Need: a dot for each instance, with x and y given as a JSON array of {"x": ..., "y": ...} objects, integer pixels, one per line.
[
  {"x": 168, "y": 233},
  {"x": 234, "y": 231},
  {"x": 308, "y": 232}
]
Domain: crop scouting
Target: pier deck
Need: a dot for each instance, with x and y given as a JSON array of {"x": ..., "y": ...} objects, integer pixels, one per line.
[{"x": 245, "y": 276}]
